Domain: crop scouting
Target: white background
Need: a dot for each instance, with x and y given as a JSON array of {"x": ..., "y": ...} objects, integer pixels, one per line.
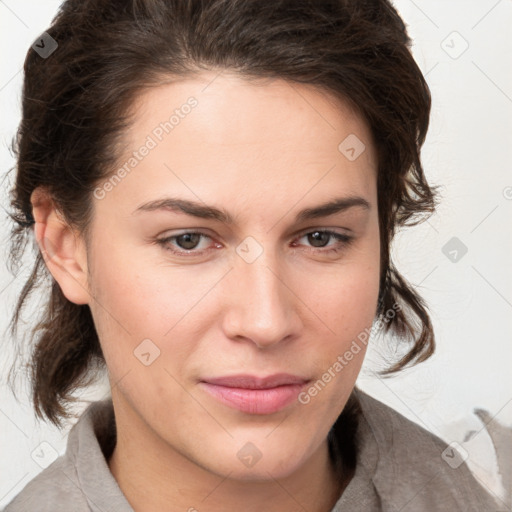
[{"x": 468, "y": 151}]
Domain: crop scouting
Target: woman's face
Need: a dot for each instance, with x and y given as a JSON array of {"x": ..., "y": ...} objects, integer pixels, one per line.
[{"x": 257, "y": 292}]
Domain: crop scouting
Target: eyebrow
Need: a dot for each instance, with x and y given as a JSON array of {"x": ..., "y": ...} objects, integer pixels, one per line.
[{"x": 203, "y": 211}]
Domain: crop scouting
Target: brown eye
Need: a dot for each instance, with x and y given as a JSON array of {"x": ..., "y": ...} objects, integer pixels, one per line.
[
  {"x": 186, "y": 244},
  {"x": 319, "y": 240},
  {"x": 188, "y": 241}
]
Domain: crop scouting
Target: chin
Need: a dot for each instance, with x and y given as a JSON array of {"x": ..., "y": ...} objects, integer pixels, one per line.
[{"x": 252, "y": 464}]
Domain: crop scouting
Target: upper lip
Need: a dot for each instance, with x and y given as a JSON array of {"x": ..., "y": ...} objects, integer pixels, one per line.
[{"x": 255, "y": 382}]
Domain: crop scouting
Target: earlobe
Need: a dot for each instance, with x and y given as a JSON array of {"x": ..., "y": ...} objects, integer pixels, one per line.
[{"x": 61, "y": 246}]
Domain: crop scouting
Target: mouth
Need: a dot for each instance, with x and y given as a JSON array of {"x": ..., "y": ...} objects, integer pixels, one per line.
[{"x": 255, "y": 395}]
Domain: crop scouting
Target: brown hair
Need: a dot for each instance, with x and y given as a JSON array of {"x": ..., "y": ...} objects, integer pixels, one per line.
[{"x": 75, "y": 106}]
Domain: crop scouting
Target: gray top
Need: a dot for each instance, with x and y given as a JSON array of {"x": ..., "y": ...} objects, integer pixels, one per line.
[{"x": 400, "y": 467}]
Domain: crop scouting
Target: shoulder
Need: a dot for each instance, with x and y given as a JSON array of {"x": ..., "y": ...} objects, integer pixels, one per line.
[
  {"x": 412, "y": 468},
  {"x": 80, "y": 478},
  {"x": 392, "y": 429},
  {"x": 54, "y": 489}
]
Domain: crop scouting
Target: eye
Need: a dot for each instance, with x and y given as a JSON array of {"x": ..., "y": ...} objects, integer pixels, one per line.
[
  {"x": 319, "y": 238},
  {"x": 187, "y": 243}
]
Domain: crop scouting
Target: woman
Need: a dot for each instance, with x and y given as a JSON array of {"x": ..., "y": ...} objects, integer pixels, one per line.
[{"x": 214, "y": 187}]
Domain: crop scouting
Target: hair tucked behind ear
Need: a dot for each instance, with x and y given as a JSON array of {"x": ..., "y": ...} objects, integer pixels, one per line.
[{"x": 76, "y": 104}]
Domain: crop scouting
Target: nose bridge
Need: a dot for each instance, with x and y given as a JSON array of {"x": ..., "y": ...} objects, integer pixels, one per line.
[{"x": 262, "y": 307}]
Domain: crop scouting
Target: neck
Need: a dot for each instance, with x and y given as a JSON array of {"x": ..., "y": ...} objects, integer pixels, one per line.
[{"x": 161, "y": 479}]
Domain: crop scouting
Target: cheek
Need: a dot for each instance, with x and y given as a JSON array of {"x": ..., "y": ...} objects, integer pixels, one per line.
[
  {"x": 347, "y": 308},
  {"x": 128, "y": 305},
  {"x": 141, "y": 298},
  {"x": 348, "y": 312},
  {"x": 136, "y": 302},
  {"x": 344, "y": 300}
]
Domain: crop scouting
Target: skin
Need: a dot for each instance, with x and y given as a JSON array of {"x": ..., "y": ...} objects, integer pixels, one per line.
[{"x": 263, "y": 152}]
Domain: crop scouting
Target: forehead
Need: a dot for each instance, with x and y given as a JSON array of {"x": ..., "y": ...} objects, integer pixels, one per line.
[
  {"x": 237, "y": 110},
  {"x": 215, "y": 131}
]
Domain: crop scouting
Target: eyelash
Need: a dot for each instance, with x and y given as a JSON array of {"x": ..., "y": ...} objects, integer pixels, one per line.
[{"x": 344, "y": 241}]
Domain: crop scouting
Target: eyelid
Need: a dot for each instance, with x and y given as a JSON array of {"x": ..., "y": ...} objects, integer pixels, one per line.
[
  {"x": 343, "y": 239},
  {"x": 312, "y": 229}
]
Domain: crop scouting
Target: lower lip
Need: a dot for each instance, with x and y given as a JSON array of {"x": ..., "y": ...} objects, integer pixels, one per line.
[{"x": 255, "y": 401}]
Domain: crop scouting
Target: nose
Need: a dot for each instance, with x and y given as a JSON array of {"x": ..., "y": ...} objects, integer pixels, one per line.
[{"x": 261, "y": 306}]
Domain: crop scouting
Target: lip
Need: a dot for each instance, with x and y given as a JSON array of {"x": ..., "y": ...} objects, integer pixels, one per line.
[{"x": 255, "y": 395}]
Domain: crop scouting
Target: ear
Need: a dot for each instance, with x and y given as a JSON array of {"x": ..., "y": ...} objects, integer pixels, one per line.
[{"x": 62, "y": 248}]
